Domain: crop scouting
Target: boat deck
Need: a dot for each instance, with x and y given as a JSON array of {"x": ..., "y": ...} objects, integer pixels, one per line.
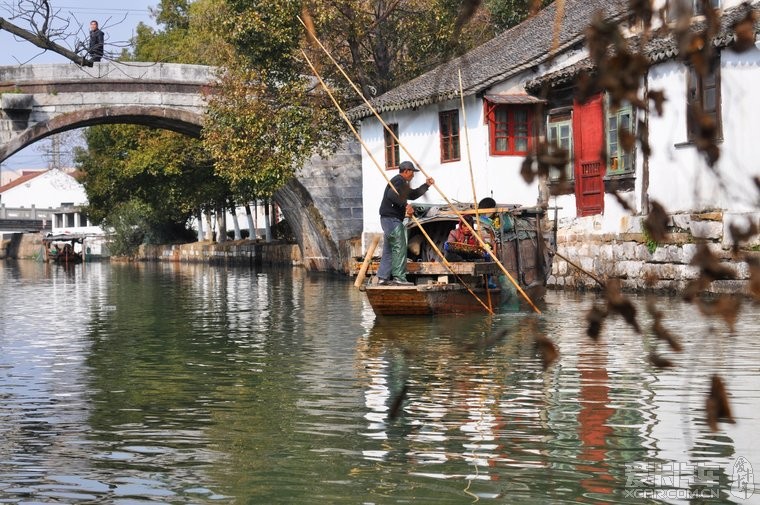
[{"x": 434, "y": 268}]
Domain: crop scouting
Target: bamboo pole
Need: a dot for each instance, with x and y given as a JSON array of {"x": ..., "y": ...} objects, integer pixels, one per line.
[
  {"x": 367, "y": 259},
  {"x": 377, "y": 164},
  {"x": 467, "y": 142},
  {"x": 414, "y": 160},
  {"x": 579, "y": 268}
]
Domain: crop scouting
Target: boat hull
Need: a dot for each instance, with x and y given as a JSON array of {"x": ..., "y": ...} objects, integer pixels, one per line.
[{"x": 430, "y": 299}]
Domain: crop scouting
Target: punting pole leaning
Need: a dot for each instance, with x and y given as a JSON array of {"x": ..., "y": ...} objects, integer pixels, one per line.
[
  {"x": 367, "y": 260},
  {"x": 377, "y": 164},
  {"x": 412, "y": 158},
  {"x": 467, "y": 144}
]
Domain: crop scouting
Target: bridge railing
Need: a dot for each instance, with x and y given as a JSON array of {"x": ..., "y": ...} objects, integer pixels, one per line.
[{"x": 27, "y": 213}]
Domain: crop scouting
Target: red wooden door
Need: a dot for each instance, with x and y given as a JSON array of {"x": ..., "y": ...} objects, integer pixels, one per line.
[{"x": 588, "y": 140}]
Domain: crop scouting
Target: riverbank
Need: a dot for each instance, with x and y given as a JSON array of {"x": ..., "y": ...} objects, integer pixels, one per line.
[
  {"x": 641, "y": 265},
  {"x": 239, "y": 252}
]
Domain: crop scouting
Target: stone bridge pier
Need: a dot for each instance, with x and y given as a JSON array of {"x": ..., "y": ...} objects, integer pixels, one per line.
[{"x": 323, "y": 205}]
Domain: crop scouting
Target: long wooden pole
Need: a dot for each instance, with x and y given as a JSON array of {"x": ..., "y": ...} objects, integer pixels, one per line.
[
  {"x": 377, "y": 164},
  {"x": 467, "y": 143},
  {"x": 367, "y": 260},
  {"x": 412, "y": 158}
]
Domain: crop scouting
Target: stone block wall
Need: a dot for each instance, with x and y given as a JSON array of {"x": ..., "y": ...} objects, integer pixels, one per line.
[
  {"x": 642, "y": 265},
  {"x": 324, "y": 207},
  {"x": 240, "y": 253}
]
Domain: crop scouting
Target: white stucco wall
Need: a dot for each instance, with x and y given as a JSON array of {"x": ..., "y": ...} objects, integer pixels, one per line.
[
  {"x": 496, "y": 176},
  {"x": 678, "y": 176},
  {"x": 680, "y": 179},
  {"x": 48, "y": 190}
]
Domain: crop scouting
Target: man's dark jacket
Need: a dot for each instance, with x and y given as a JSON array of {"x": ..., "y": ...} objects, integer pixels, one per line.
[
  {"x": 394, "y": 205},
  {"x": 97, "y": 40}
]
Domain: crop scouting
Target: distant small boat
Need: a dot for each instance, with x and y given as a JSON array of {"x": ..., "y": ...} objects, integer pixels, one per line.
[
  {"x": 61, "y": 248},
  {"x": 515, "y": 234}
]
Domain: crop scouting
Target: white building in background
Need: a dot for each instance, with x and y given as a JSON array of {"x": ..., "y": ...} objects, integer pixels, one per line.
[
  {"x": 55, "y": 197},
  {"x": 43, "y": 189}
]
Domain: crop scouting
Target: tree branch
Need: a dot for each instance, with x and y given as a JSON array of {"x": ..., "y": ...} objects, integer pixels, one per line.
[{"x": 44, "y": 43}]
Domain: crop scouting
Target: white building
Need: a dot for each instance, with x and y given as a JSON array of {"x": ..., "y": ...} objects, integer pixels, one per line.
[
  {"x": 520, "y": 93},
  {"x": 55, "y": 196}
]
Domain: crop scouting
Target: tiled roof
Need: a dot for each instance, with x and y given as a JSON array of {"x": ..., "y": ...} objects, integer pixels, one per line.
[
  {"x": 656, "y": 50},
  {"x": 519, "y": 48},
  {"x": 21, "y": 180}
]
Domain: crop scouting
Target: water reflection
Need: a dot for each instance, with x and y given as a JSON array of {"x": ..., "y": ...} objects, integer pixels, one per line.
[
  {"x": 494, "y": 421},
  {"x": 190, "y": 384}
]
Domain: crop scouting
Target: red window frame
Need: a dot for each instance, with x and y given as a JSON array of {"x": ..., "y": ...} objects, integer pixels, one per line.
[
  {"x": 392, "y": 151},
  {"x": 448, "y": 122},
  {"x": 503, "y": 125}
]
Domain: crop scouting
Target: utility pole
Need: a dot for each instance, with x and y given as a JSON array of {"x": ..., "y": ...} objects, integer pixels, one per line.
[{"x": 55, "y": 152}]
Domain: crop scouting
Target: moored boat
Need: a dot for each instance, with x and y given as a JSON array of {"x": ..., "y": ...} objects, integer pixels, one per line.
[
  {"x": 64, "y": 249},
  {"x": 513, "y": 234}
]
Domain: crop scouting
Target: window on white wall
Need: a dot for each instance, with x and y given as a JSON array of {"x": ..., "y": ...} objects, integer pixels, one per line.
[
  {"x": 619, "y": 124},
  {"x": 449, "y": 132},
  {"x": 703, "y": 116},
  {"x": 559, "y": 134},
  {"x": 509, "y": 128},
  {"x": 391, "y": 147}
]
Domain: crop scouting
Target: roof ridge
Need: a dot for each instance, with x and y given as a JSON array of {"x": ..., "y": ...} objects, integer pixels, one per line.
[
  {"x": 18, "y": 181},
  {"x": 524, "y": 45}
]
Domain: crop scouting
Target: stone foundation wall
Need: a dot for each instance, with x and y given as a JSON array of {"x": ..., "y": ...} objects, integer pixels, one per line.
[
  {"x": 22, "y": 246},
  {"x": 642, "y": 265},
  {"x": 243, "y": 253}
]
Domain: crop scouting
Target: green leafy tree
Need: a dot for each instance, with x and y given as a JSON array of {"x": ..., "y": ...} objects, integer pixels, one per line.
[
  {"x": 508, "y": 13},
  {"x": 127, "y": 224},
  {"x": 192, "y": 32},
  {"x": 161, "y": 169},
  {"x": 261, "y": 132},
  {"x": 379, "y": 43}
]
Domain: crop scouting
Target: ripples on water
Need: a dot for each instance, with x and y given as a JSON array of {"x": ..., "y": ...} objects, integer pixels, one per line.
[{"x": 190, "y": 384}]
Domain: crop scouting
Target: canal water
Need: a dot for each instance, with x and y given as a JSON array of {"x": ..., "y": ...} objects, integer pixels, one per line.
[{"x": 166, "y": 383}]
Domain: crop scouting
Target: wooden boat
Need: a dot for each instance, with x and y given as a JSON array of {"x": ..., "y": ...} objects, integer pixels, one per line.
[
  {"x": 515, "y": 235},
  {"x": 61, "y": 248}
]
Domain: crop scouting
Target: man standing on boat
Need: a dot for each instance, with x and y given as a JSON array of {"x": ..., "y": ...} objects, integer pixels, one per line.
[{"x": 393, "y": 209}]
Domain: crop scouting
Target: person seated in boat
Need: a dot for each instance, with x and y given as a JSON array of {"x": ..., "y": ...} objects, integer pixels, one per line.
[
  {"x": 488, "y": 219},
  {"x": 461, "y": 244}
]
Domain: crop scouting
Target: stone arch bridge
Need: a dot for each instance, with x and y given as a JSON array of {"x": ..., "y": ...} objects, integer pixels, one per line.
[{"x": 323, "y": 205}]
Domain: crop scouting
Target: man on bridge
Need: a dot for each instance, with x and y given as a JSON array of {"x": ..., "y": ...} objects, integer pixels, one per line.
[{"x": 97, "y": 41}]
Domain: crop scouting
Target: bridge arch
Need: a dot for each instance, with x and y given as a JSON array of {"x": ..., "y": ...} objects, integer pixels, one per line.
[
  {"x": 178, "y": 120},
  {"x": 323, "y": 205}
]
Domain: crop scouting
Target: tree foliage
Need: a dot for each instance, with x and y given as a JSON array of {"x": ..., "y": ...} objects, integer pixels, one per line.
[
  {"x": 508, "y": 13},
  {"x": 169, "y": 175},
  {"x": 379, "y": 43},
  {"x": 192, "y": 33},
  {"x": 128, "y": 226},
  {"x": 261, "y": 132}
]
